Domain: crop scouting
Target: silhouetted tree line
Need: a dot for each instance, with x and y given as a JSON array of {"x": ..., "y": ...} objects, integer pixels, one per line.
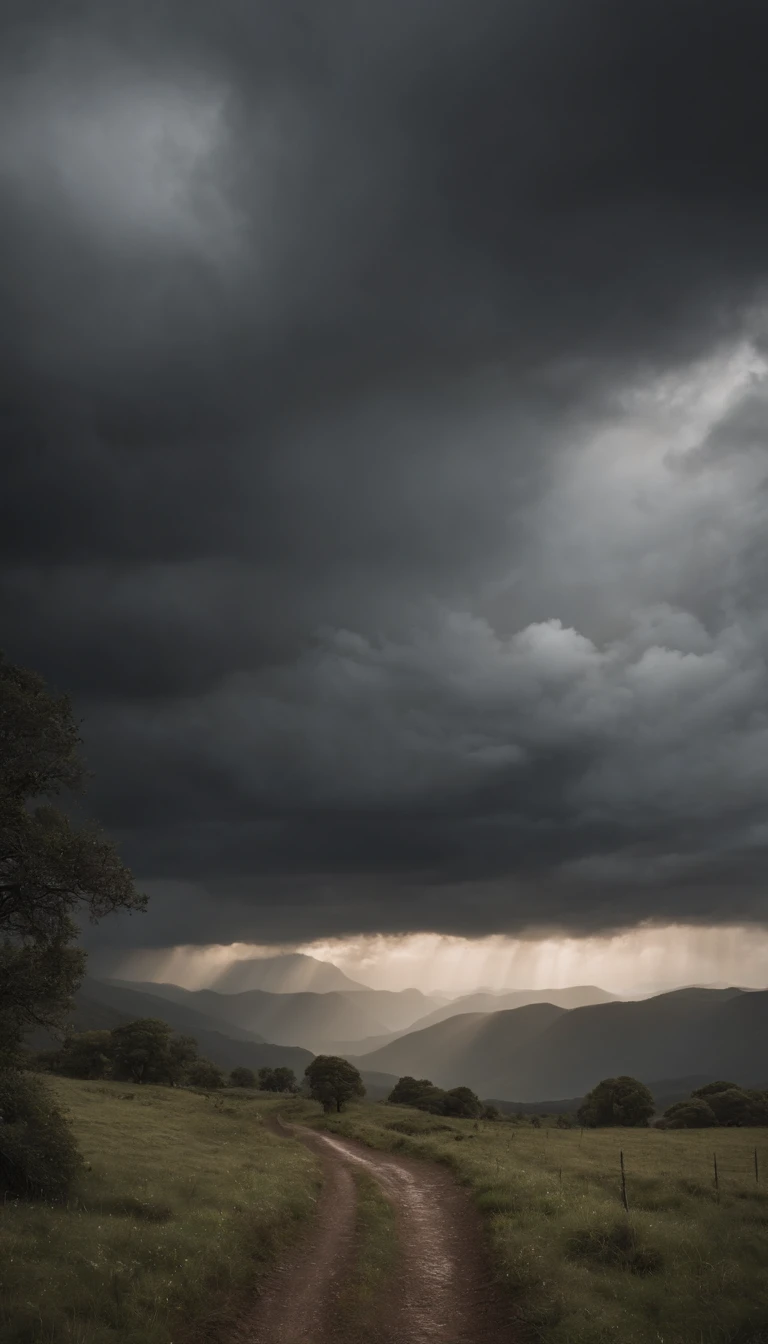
[
  {"x": 147, "y": 1051},
  {"x": 718, "y": 1103},
  {"x": 626, "y": 1101}
]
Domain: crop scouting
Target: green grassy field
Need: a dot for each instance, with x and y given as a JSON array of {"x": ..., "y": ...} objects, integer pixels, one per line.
[
  {"x": 186, "y": 1203},
  {"x": 681, "y": 1268}
]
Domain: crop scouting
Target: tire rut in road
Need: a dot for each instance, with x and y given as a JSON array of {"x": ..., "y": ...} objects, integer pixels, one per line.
[{"x": 300, "y": 1303}]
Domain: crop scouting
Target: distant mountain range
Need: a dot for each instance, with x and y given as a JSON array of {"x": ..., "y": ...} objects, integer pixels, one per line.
[
  {"x": 492, "y": 1001},
  {"x": 318, "y": 1021},
  {"x": 286, "y": 973},
  {"x": 520, "y": 1046},
  {"x": 541, "y": 1050},
  {"x": 100, "y": 1006}
]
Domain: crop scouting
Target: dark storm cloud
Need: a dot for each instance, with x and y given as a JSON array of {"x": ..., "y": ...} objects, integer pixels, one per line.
[{"x": 306, "y": 310}]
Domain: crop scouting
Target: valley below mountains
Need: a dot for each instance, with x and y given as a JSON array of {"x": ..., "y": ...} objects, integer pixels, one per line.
[{"x": 516, "y": 1046}]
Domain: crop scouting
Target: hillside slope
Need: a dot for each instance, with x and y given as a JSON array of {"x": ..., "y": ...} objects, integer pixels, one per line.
[
  {"x": 465, "y": 1049},
  {"x": 576, "y": 996},
  {"x": 101, "y": 1007},
  {"x": 513, "y": 1055},
  {"x": 318, "y": 1021}
]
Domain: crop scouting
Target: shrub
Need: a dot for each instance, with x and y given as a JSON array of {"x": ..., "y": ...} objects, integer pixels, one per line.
[
  {"x": 407, "y": 1090},
  {"x": 202, "y": 1073},
  {"x": 242, "y": 1077},
  {"x": 693, "y": 1114},
  {"x": 421, "y": 1093},
  {"x": 87, "y": 1054},
  {"x": 735, "y": 1106},
  {"x": 617, "y": 1101},
  {"x": 39, "y": 1158},
  {"x": 280, "y": 1079},
  {"x": 462, "y": 1101}
]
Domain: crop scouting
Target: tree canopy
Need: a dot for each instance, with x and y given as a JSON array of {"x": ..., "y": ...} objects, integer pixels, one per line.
[
  {"x": 280, "y": 1079},
  {"x": 333, "y": 1081},
  {"x": 242, "y": 1077},
  {"x": 141, "y": 1051},
  {"x": 421, "y": 1093},
  {"x": 695, "y": 1113},
  {"x": 617, "y": 1101},
  {"x": 51, "y": 868}
]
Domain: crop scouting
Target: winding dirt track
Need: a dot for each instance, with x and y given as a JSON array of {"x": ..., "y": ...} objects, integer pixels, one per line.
[{"x": 443, "y": 1291}]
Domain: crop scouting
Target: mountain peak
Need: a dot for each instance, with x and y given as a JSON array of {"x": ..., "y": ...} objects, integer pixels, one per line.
[{"x": 284, "y": 973}]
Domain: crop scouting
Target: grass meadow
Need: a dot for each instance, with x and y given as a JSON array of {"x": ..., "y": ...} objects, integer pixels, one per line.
[
  {"x": 186, "y": 1202},
  {"x": 688, "y": 1264}
]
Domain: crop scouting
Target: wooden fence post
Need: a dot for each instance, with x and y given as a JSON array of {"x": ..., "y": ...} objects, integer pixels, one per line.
[
  {"x": 717, "y": 1179},
  {"x": 623, "y": 1183}
]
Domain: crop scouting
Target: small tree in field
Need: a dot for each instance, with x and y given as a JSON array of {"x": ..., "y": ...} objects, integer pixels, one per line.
[
  {"x": 462, "y": 1101},
  {"x": 407, "y": 1090},
  {"x": 617, "y": 1101},
  {"x": 285, "y": 1079},
  {"x": 88, "y": 1054},
  {"x": 241, "y": 1077},
  {"x": 182, "y": 1054},
  {"x": 205, "y": 1074},
  {"x": 280, "y": 1079},
  {"x": 141, "y": 1050},
  {"x": 333, "y": 1081}
]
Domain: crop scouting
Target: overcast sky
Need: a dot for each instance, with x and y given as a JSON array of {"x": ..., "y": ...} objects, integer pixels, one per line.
[{"x": 384, "y": 420}]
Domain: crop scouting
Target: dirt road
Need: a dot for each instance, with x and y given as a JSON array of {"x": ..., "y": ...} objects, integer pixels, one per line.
[{"x": 443, "y": 1290}]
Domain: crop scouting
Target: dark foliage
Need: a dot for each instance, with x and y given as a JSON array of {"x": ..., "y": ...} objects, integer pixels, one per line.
[
  {"x": 142, "y": 1051},
  {"x": 696, "y": 1113},
  {"x": 39, "y": 1158},
  {"x": 205, "y": 1074},
  {"x": 617, "y": 1101},
  {"x": 333, "y": 1081},
  {"x": 277, "y": 1080},
  {"x": 242, "y": 1077},
  {"x": 421, "y": 1093},
  {"x": 51, "y": 870},
  {"x": 90, "y": 1054}
]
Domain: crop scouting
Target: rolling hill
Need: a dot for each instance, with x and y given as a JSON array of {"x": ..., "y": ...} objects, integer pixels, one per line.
[
  {"x": 319, "y": 1021},
  {"x": 465, "y": 1049},
  {"x": 491, "y": 1001},
  {"x": 102, "y": 1006},
  {"x": 133, "y": 1003},
  {"x": 541, "y": 1051}
]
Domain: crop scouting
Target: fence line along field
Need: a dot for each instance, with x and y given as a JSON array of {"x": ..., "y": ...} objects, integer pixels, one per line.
[
  {"x": 185, "y": 1202},
  {"x": 686, "y": 1265}
]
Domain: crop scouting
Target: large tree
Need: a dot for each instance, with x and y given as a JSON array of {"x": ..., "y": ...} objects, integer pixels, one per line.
[
  {"x": 52, "y": 869},
  {"x": 333, "y": 1081}
]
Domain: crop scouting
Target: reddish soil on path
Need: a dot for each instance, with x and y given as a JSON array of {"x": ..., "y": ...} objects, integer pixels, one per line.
[{"x": 444, "y": 1291}]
